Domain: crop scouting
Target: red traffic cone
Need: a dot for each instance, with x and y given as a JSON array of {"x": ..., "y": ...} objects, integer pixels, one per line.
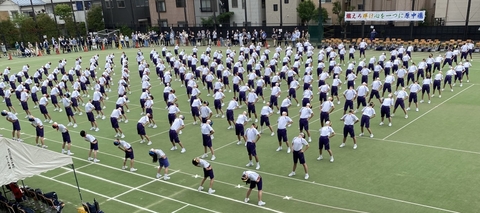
[{"x": 10, "y": 56}]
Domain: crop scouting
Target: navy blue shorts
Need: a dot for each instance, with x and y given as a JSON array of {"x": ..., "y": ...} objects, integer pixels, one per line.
[
  {"x": 140, "y": 129},
  {"x": 217, "y": 103},
  {"x": 195, "y": 112},
  {"x": 66, "y": 137},
  {"x": 39, "y": 132},
  {"x": 129, "y": 154},
  {"x": 8, "y": 102},
  {"x": 375, "y": 94},
  {"x": 69, "y": 111},
  {"x": 97, "y": 106},
  {"x": 207, "y": 140},
  {"x": 251, "y": 149},
  {"x": 90, "y": 116},
  {"x": 208, "y": 173},
  {"x": 258, "y": 184},
  {"x": 264, "y": 120},
  {"x": 54, "y": 100},
  {"x": 348, "y": 129},
  {"x": 94, "y": 146},
  {"x": 385, "y": 111},
  {"x": 283, "y": 109},
  {"x": 239, "y": 129},
  {"x": 230, "y": 116},
  {"x": 365, "y": 121},
  {"x": 273, "y": 100},
  {"x": 173, "y": 136},
  {"x": 348, "y": 104},
  {"x": 24, "y": 105},
  {"x": 303, "y": 124},
  {"x": 149, "y": 111},
  {"x": 292, "y": 93},
  {"x": 282, "y": 135},
  {"x": 305, "y": 101},
  {"x": 324, "y": 116},
  {"x": 114, "y": 123},
  {"x": 399, "y": 102},
  {"x": 324, "y": 141},
  {"x": 163, "y": 162},
  {"x": 297, "y": 155},
  {"x": 412, "y": 97},
  {"x": 16, "y": 126},
  {"x": 251, "y": 108}
]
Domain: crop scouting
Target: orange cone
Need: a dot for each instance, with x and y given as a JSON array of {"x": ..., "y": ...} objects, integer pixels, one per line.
[
  {"x": 57, "y": 50},
  {"x": 10, "y": 56},
  {"x": 137, "y": 45},
  {"x": 85, "y": 49},
  {"x": 39, "y": 53},
  {"x": 266, "y": 44},
  {"x": 103, "y": 46}
]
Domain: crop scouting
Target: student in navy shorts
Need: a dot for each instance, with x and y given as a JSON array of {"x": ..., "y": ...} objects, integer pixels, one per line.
[
  {"x": 207, "y": 173},
  {"x": 93, "y": 146},
  {"x": 255, "y": 180},
  {"x": 159, "y": 156},
  {"x": 128, "y": 149},
  {"x": 12, "y": 118}
]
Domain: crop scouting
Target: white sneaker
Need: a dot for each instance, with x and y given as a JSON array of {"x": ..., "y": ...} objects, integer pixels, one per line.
[
  {"x": 256, "y": 120},
  {"x": 291, "y": 174},
  {"x": 273, "y": 133},
  {"x": 97, "y": 129},
  {"x": 239, "y": 142},
  {"x": 61, "y": 110},
  {"x": 103, "y": 117},
  {"x": 104, "y": 107},
  {"x": 309, "y": 139},
  {"x": 223, "y": 116},
  {"x": 75, "y": 125},
  {"x": 211, "y": 191},
  {"x": 124, "y": 167},
  {"x": 126, "y": 121},
  {"x": 433, "y": 95},
  {"x": 183, "y": 150},
  {"x": 451, "y": 90},
  {"x": 320, "y": 157},
  {"x": 230, "y": 127},
  {"x": 133, "y": 169},
  {"x": 178, "y": 132},
  {"x": 342, "y": 145},
  {"x": 96, "y": 160},
  {"x": 392, "y": 115},
  {"x": 213, "y": 158},
  {"x": 246, "y": 200},
  {"x": 249, "y": 164},
  {"x": 406, "y": 116},
  {"x": 81, "y": 113},
  {"x": 149, "y": 143},
  {"x": 439, "y": 96},
  {"x": 298, "y": 105},
  {"x": 89, "y": 159},
  {"x": 371, "y": 135},
  {"x": 159, "y": 176},
  {"x": 69, "y": 124},
  {"x": 331, "y": 159},
  {"x": 429, "y": 101},
  {"x": 288, "y": 150},
  {"x": 416, "y": 109},
  {"x": 361, "y": 134},
  {"x": 142, "y": 141},
  {"x": 154, "y": 126},
  {"x": 261, "y": 203},
  {"x": 200, "y": 188},
  {"x": 70, "y": 153},
  {"x": 279, "y": 148},
  {"x": 453, "y": 84},
  {"x": 408, "y": 108},
  {"x": 44, "y": 146},
  {"x": 381, "y": 123},
  {"x": 338, "y": 102},
  {"x": 204, "y": 156},
  {"x": 421, "y": 101},
  {"x": 354, "y": 146},
  {"x": 166, "y": 177},
  {"x": 122, "y": 136},
  {"x": 307, "y": 176},
  {"x": 258, "y": 167}
]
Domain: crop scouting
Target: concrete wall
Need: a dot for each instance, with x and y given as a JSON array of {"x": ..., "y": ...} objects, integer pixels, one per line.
[
  {"x": 255, "y": 12},
  {"x": 289, "y": 13},
  {"x": 172, "y": 13},
  {"x": 454, "y": 12}
]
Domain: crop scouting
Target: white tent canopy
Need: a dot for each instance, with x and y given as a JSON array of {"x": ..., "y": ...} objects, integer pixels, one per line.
[{"x": 20, "y": 160}]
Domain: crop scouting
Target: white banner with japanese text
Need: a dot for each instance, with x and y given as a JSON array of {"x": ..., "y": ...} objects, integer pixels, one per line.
[{"x": 385, "y": 16}]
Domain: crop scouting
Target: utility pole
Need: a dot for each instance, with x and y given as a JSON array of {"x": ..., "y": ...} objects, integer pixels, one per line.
[
  {"x": 158, "y": 13},
  {"x": 320, "y": 23},
  {"x": 85, "y": 14},
  {"x": 281, "y": 13},
  {"x": 411, "y": 23},
  {"x": 363, "y": 22},
  {"x": 244, "y": 2},
  {"x": 467, "y": 19},
  {"x": 185, "y": 12}
]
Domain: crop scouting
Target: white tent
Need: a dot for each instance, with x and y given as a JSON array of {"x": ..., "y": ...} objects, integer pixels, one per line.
[{"x": 20, "y": 160}]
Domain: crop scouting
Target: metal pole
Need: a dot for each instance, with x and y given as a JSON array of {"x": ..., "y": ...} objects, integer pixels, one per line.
[
  {"x": 185, "y": 12},
  {"x": 467, "y": 19},
  {"x": 411, "y": 23},
  {"x": 133, "y": 16},
  {"x": 55, "y": 17},
  {"x": 281, "y": 13},
  {"x": 111, "y": 13},
  {"x": 76, "y": 181},
  {"x": 214, "y": 8},
  {"x": 245, "y": 11},
  {"x": 320, "y": 23},
  {"x": 85, "y": 14},
  {"x": 158, "y": 13},
  {"x": 363, "y": 22}
]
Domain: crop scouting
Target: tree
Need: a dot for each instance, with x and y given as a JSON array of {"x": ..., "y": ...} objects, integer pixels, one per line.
[
  {"x": 46, "y": 25},
  {"x": 26, "y": 28},
  {"x": 65, "y": 13},
  {"x": 307, "y": 12},
  {"x": 9, "y": 33},
  {"x": 337, "y": 10},
  {"x": 95, "y": 19},
  {"x": 208, "y": 22},
  {"x": 224, "y": 17}
]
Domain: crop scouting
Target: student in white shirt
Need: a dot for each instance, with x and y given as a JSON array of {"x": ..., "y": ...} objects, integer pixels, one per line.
[
  {"x": 298, "y": 154},
  {"x": 159, "y": 156},
  {"x": 255, "y": 180},
  {"x": 326, "y": 132},
  {"x": 128, "y": 149},
  {"x": 93, "y": 146},
  {"x": 385, "y": 109},
  {"x": 207, "y": 173},
  {"x": 367, "y": 114}
]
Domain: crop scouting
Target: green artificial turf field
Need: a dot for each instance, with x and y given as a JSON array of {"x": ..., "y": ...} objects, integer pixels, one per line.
[{"x": 426, "y": 163}]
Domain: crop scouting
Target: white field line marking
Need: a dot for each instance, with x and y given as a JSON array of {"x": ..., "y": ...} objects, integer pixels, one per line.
[
  {"x": 453, "y": 96},
  {"x": 140, "y": 190},
  {"x": 173, "y": 184},
  {"x": 180, "y": 208},
  {"x": 281, "y": 196},
  {"x": 98, "y": 194},
  {"x": 422, "y": 145},
  {"x": 161, "y": 201},
  {"x": 70, "y": 170},
  {"x": 130, "y": 190},
  {"x": 340, "y": 188}
]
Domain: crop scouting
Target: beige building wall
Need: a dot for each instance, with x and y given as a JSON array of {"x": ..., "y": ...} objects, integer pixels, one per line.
[
  {"x": 289, "y": 13},
  {"x": 454, "y": 12},
  {"x": 173, "y": 15}
]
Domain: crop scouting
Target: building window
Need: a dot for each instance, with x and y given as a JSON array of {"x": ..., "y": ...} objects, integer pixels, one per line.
[
  {"x": 161, "y": 6},
  {"x": 206, "y": 6},
  {"x": 108, "y": 3},
  {"x": 121, "y": 3},
  {"x": 181, "y": 24},
  {"x": 286, "y": 1},
  {"x": 141, "y": 3},
  {"x": 180, "y": 3},
  {"x": 234, "y": 3},
  {"x": 360, "y": 7},
  {"x": 275, "y": 7},
  {"x": 324, "y": 1},
  {"x": 263, "y": 4},
  {"x": 163, "y": 23}
]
